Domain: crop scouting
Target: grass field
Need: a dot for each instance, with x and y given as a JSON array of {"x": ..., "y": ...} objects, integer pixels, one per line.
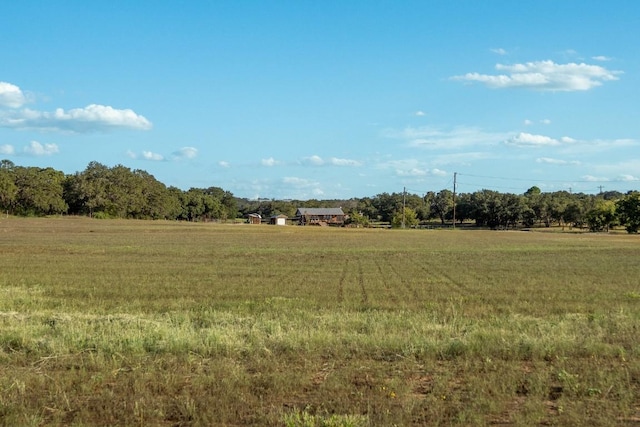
[{"x": 173, "y": 324}]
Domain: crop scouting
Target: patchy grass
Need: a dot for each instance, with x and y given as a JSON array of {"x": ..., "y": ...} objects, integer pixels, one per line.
[{"x": 166, "y": 323}]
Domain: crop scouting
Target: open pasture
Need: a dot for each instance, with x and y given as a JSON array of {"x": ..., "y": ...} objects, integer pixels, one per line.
[{"x": 176, "y": 324}]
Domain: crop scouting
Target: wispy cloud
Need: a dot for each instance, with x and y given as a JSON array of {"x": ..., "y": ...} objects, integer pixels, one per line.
[
  {"x": 302, "y": 187},
  {"x": 269, "y": 162},
  {"x": 344, "y": 162},
  {"x": 224, "y": 164},
  {"x": 185, "y": 153},
  {"x": 316, "y": 160},
  {"x": 524, "y": 139},
  {"x": 420, "y": 113},
  {"x": 628, "y": 168},
  {"x": 601, "y": 58},
  {"x": 150, "y": 155},
  {"x": 37, "y": 149},
  {"x": 7, "y": 149},
  {"x": 592, "y": 178},
  {"x": 499, "y": 51},
  {"x": 544, "y": 76},
  {"x": 561, "y": 162},
  {"x": 438, "y": 138},
  {"x": 410, "y": 168}
]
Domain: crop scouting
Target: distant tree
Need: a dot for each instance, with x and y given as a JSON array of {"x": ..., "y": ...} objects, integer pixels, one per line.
[
  {"x": 628, "y": 209},
  {"x": 368, "y": 209},
  {"x": 86, "y": 191},
  {"x": 39, "y": 191},
  {"x": 387, "y": 205},
  {"x": 408, "y": 219},
  {"x": 442, "y": 205},
  {"x": 464, "y": 207},
  {"x": 602, "y": 216},
  {"x": 611, "y": 195},
  {"x": 356, "y": 219},
  {"x": 8, "y": 189},
  {"x": 512, "y": 208}
]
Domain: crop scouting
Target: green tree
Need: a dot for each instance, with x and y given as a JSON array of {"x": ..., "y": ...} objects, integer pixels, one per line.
[
  {"x": 39, "y": 191},
  {"x": 628, "y": 209},
  {"x": 356, "y": 219},
  {"x": 602, "y": 216},
  {"x": 408, "y": 219},
  {"x": 86, "y": 192},
  {"x": 441, "y": 204},
  {"x": 387, "y": 205},
  {"x": 8, "y": 188}
]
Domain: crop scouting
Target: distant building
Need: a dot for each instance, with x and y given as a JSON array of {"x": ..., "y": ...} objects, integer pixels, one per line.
[
  {"x": 279, "y": 220},
  {"x": 255, "y": 218},
  {"x": 320, "y": 216}
]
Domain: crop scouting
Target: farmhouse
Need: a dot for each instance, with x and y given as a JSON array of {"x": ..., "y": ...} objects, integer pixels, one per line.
[
  {"x": 255, "y": 218},
  {"x": 320, "y": 216}
]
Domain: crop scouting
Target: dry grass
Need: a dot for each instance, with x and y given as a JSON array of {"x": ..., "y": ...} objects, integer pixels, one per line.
[{"x": 165, "y": 323}]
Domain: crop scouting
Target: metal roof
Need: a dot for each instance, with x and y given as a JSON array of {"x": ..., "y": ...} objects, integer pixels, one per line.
[{"x": 319, "y": 211}]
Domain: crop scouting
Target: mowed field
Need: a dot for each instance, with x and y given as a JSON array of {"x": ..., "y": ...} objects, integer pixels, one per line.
[{"x": 173, "y": 324}]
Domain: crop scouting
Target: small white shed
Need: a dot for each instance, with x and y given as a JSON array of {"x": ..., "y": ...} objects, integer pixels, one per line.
[{"x": 279, "y": 220}]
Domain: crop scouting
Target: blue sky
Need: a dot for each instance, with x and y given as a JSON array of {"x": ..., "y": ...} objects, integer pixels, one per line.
[{"x": 331, "y": 99}]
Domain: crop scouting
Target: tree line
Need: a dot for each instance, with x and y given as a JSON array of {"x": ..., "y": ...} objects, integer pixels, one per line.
[{"x": 120, "y": 192}]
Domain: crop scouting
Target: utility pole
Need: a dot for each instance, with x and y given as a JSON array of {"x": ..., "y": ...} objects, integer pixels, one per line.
[
  {"x": 404, "y": 203},
  {"x": 455, "y": 174}
]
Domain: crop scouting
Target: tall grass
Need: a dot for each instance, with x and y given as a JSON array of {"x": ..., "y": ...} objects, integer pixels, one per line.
[{"x": 163, "y": 323}]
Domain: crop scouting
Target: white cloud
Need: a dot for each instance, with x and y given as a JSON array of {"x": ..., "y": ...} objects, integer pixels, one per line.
[
  {"x": 436, "y": 138},
  {"x": 629, "y": 167},
  {"x": 186, "y": 153},
  {"x": 465, "y": 158},
  {"x": 299, "y": 182},
  {"x": 92, "y": 118},
  {"x": 333, "y": 161},
  {"x": 37, "y": 149},
  {"x": 410, "y": 168},
  {"x": 528, "y": 122},
  {"x": 11, "y": 96},
  {"x": 131, "y": 154},
  {"x": 344, "y": 162},
  {"x": 524, "y": 139},
  {"x": 7, "y": 149},
  {"x": 592, "y": 178},
  {"x": 601, "y": 58},
  {"x": 303, "y": 187},
  {"x": 499, "y": 51},
  {"x": 420, "y": 113},
  {"x": 552, "y": 161},
  {"x": 224, "y": 164},
  {"x": 314, "y": 160},
  {"x": 269, "y": 162},
  {"x": 627, "y": 178},
  {"x": 149, "y": 155},
  {"x": 413, "y": 172},
  {"x": 544, "y": 76}
]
